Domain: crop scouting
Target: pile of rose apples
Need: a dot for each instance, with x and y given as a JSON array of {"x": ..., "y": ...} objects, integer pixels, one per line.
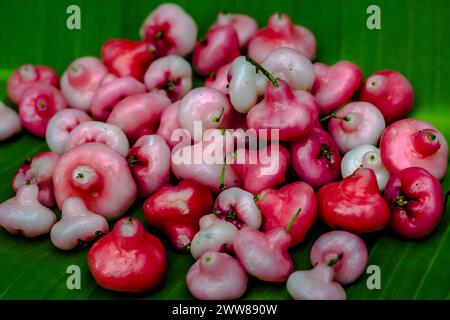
[{"x": 340, "y": 149}]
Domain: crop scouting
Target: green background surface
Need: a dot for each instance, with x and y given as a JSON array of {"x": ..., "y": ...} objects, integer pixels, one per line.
[{"x": 413, "y": 40}]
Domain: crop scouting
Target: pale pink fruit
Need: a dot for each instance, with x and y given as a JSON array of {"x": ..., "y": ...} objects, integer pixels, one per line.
[
  {"x": 170, "y": 129},
  {"x": 149, "y": 160},
  {"x": 39, "y": 171},
  {"x": 78, "y": 225},
  {"x": 9, "y": 123},
  {"x": 112, "y": 90},
  {"x": 356, "y": 124},
  {"x": 219, "y": 79},
  {"x": 281, "y": 32},
  {"x": 37, "y": 106},
  {"x": 96, "y": 131},
  {"x": 61, "y": 125},
  {"x": 23, "y": 214},
  {"x": 345, "y": 252},
  {"x": 217, "y": 276},
  {"x": 27, "y": 75},
  {"x": 245, "y": 26},
  {"x": 170, "y": 29},
  {"x": 139, "y": 114},
  {"x": 172, "y": 74},
  {"x": 315, "y": 284},
  {"x": 99, "y": 176}
]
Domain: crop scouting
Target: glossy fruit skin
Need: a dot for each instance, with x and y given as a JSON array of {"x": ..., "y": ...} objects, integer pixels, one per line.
[
  {"x": 278, "y": 207},
  {"x": 356, "y": 124},
  {"x": 244, "y": 25},
  {"x": 128, "y": 259},
  {"x": 219, "y": 79},
  {"x": 336, "y": 84},
  {"x": 106, "y": 184},
  {"x": 264, "y": 255},
  {"x": 315, "y": 284},
  {"x": 140, "y": 114},
  {"x": 269, "y": 169},
  {"x": 400, "y": 149},
  {"x": 25, "y": 76},
  {"x": 126, "y": 58},
  {"x": 149, "y": 159},
  {"x": 220, "y": 47},
  {"x": 354, "y": 204},
  {"x": 390, "y": 92},
  {"x": 10, "y": 124},
  {"x": 281, "y": 32},
  {"x": 217, "y": 276},
  {"x": 176, "y": 210},
  {"x": 61, "y": 125},
  {"x": 169, "y": 127},
  {"x": 415, "y": 198},
  {"x": 345, "y": 252},
  {"x": 81, "y": 80},
  {"x": 170, "y": 30},
  {"x": 38, "y": 170},
  {"x": 293, "y": 113},
  {"x": 37, "y": 106},
  {"x": 316, "y": 158}
]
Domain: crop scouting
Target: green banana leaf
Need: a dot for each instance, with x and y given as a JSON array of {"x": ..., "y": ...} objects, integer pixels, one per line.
[{"x": 413, "y": 40}]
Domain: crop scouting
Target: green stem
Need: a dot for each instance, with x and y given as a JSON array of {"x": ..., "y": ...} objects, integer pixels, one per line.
[
  {"x": 217, "y": 118},
  {"x": 333, "y": 114},
  {"x": 291, "y": 223},
  {"x": 264, "y": 71},
  {"x": 430, "y": 134}
]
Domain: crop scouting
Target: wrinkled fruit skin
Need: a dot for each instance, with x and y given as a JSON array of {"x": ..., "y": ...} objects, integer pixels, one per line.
[
  {"x": 416, "y": 202},
  {"x": 316, "y": 158},
  {"x": 9, "y": 123},
  {"x": 220, "y": 47},
  {"x": 39, "y": 171},
  {"x": 264, "y": 255},
  {"x": 336, "y": 84},
  {"x": 81, "y": 80},
  {"x": 354, "y": 204},
  {"x": 139, "y": 114},
  {"x": 37, "y": 106},
  {"x": 281, "y": 32},
  {"x": 293, "y": 113},
  {"x": 401, "y": 147},
  {"x": 315, "y": 284},
  {"x": 176, "y": 210},
  {"x": 23, "y": 214},
  {"x": 345, "y": 252},
  {"x": 28, "y": 75},
  {"x": 99, "y": 176},
  {"x": 149, "y": 160},
  {"x": 169, "y": 30},
  {"x": 217, "y": 276},
  {"x": 61, "y": 125},
  {"x": 261, "y": 169},
  {"x": 366, "y": 156},
  {"x": 128, "y": 259},
  {"x": 125, "y": 58},
  {"x": 77, "y": 225},
  {"x": 214, "y": 235},
  {"x": 356, "y": 124},
  {"x": 278, "y": 207},
  {"x": 390, "y": 92}
]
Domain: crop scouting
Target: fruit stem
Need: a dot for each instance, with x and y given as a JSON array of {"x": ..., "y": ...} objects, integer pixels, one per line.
[
  {"x": 291, "y": 223},
  {"x": 334, "y": 261},
  {"x": 325, "y": 152},
  {"x": 430, "y": 134},
  {"x": 333, "y": 114},
  {"x": 401, "y": 201},
  {"x": 222, "y": 175},
  {"x": 264, "y": 71},
  {"x": 217, "y": 118}
]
